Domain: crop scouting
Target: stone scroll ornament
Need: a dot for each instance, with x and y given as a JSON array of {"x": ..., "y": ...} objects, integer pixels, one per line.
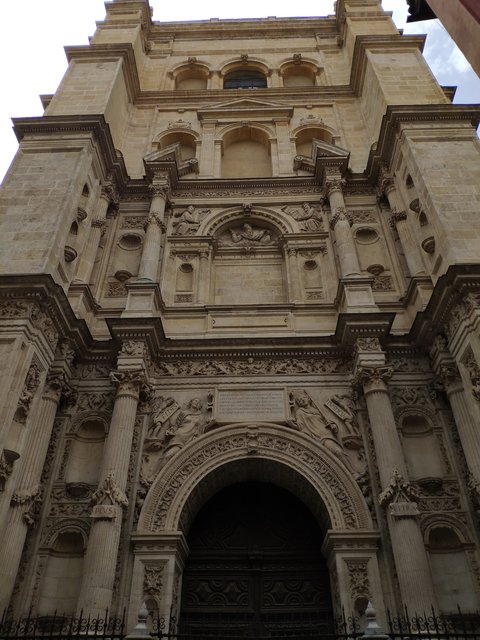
[{"x": 173, "y": 426}]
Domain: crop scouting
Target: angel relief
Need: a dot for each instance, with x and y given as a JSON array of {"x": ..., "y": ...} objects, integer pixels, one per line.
[
  {"x": 247, "y": 236},
  {"x": 173, "y": 426},
  {"x": 309, "y": 218},
  {"x": 187, "y": 222}
]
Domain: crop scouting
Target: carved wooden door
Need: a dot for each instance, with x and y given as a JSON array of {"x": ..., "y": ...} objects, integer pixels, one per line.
[{"x": 255, "y": 566}]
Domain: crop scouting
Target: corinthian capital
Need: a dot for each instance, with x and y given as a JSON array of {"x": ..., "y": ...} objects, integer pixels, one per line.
[
  {"x": 397, "y": 216},
  {"x": 449, "y": 375},
  {"x": 128, "y": 382},
  {"x": 159, "y": 189},
  {"x": 154, "y": 218},
  {"x": 334, "y": 182},
  {"x": 373, "y": 378}
]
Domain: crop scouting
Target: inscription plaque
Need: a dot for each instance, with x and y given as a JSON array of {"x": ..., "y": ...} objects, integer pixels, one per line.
[{"x": 240, "y": 405}]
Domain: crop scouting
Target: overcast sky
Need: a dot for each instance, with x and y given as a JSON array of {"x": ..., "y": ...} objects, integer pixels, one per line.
[{"x": 33, "y": 33}]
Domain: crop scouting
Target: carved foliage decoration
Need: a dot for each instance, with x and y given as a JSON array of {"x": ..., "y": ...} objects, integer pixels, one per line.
[
  {"x": 358, "y": 580},
  {"x": 153, "y": 580},
  {"x": 346, "y": 508},
  {"x": 32, "y": 382},
  {"x": 400, "y": 496}
]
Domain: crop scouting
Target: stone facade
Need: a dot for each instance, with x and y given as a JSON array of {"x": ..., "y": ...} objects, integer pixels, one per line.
[{"x": 275, "y": 281}]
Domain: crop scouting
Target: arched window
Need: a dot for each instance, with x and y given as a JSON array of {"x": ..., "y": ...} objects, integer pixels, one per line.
[{"x": 245, "y": 79}]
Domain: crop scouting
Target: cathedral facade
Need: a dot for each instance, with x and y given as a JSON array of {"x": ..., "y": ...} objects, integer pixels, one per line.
[{"x": 239, "y": 326}]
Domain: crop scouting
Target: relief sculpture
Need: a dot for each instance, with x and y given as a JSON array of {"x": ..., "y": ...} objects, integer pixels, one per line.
[
  {"x": 308, "y": 418},
  {"x": 308, "y": 217},
  {"x": 189, "y": 221},
  {"x": 247, "y": 236},
  {"x": 173, "y": 426}
]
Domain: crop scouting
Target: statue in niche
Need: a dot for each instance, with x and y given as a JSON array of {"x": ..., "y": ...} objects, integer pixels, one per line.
[
  {"x": 308, "y": 418},
  {"x": 308, "y": 217},
  {"x": 247, "y": 236},
  {"x": 172, "y": 428},
  {"x": 189, "y": 220}
]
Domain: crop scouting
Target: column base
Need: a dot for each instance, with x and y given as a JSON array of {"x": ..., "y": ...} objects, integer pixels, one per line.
[
  {"x": 143, "y": 300},
  {"x": 355, "y": 295}
]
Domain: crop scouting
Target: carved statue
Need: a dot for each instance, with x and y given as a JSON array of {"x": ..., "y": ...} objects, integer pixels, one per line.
[
  {"x": 190, "y": 423},
  {"x": 309, "y": 419},
  {"x": 247, "y": 236},
  {"x": 307, "y": 217},
  {"x": 189, "y": 221}
]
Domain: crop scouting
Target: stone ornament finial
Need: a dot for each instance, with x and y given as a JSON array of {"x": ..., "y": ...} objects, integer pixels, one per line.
[
  {"x": 400, "y": 496},
  {"x": 107, "y": 498}
]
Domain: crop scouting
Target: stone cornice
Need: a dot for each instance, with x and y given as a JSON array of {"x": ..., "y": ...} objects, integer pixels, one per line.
[
  {"x": 52, "y": 126},
  {"x": 414, "y": 115}
]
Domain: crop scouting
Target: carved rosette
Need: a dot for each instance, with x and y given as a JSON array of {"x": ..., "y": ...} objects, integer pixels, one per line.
[
  {"x": 128, "y": 382},
  {"x": 373, "y": 378},
  {"x": 30, "y": 502},
  {"x": 400, "y": 496},
  {"x": 108, "y": 499}
]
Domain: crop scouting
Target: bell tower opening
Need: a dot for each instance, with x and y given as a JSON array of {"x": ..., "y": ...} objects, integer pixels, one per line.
[{"x": 255, "y": 565}]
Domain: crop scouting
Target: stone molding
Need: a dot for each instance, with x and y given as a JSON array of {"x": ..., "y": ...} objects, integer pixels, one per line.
[{"x": 335, "y": 486}]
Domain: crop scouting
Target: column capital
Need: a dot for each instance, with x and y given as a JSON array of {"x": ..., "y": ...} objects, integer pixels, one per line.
[
  {"x": 159, "y": 189},
  {"x": 54, "y": 386},
  {"x": 450, "y": 376},
  {"x": 400, "y": 496},
  {"x": 98, "y": 223},
  {"x": 373, "y": 378},
  {"x": 128, "y": 382},
  {"x": 109, "y": 192},
  {"x": 386, "y": 184},
  {"x": 473, "y": 371},
  {"x": 333, "y": 181}
]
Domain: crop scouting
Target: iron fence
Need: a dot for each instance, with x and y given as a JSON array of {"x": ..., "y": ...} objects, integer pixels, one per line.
[{"x": 432, "y": 626}]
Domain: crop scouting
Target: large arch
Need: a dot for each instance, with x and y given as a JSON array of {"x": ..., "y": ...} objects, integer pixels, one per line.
[{"x": 254, "y": 451}]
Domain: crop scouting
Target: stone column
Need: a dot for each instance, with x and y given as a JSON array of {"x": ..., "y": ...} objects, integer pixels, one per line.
[
  {"x": 398, "y": 496},
  {"x": 87, "y": 258},
  {"x": 154, "y": 225},
  {"x": 28, "y": 495},
  {"x": 467, "y": 425},
  {"x": 109, "y": 499},
  {"x": 399, "y": 222},
  {"x": 341, "y": 226}
]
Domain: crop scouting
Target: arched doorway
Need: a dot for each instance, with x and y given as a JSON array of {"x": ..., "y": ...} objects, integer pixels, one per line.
[{"x": 255, "y": 565}]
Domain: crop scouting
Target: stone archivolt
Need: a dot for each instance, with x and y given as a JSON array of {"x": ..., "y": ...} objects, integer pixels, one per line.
[{"x": 334, "y": 485}]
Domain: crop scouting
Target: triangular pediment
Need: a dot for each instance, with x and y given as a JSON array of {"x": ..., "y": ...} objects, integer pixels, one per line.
[
  {"x": 321, "y": 149},
  {"x": 243, "y": 107}
]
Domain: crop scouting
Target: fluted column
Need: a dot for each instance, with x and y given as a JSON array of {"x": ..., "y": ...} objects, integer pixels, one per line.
[
  {"x": 341, "y": 227},
  {"x": 87, "y": 258},
  {"x": 399, "y": 222},
  {"x": 154, "y": 225},
  {"x": 28, "y": 495},
  {"x": 398, "y": 496},
  {"x": 110, "y": 499},
  {"x": 467, "y": 425}
]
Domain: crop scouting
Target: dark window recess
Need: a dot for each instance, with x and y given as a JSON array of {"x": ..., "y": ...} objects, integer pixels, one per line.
[{"x": 245, "y": 80}]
